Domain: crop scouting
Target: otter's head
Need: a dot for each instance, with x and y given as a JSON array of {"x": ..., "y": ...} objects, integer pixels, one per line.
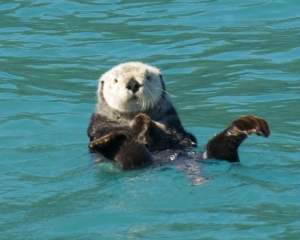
[{"x": 131, "y": 87}]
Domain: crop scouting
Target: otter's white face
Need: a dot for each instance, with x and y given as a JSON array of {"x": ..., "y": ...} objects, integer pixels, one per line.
[{"x": 131, "y": 87}]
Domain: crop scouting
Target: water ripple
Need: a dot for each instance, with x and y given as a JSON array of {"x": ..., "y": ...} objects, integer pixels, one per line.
[{"x": 219, "y": 59}]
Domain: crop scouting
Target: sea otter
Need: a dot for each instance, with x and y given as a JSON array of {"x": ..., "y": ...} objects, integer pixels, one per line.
[{"x": 135, "y": 118}]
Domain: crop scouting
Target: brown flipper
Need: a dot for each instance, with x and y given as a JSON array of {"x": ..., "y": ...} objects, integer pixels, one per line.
[{"x": 224, "y": 145}]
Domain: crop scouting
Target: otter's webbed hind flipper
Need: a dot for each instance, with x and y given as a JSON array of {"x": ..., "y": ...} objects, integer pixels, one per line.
[{"x": 224, "y": 145}]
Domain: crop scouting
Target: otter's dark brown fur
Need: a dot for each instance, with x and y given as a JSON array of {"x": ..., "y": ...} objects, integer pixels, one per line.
[{"x": 130, "y": 137}]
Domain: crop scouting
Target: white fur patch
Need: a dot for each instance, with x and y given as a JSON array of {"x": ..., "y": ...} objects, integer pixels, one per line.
[{"x": 119, "y": 97}]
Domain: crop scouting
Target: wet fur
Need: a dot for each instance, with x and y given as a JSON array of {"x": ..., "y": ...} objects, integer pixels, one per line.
[{"x": 129, "y": 136}]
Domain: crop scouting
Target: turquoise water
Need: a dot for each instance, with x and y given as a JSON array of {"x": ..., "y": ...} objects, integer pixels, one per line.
[{"x": 220, "y": 60}]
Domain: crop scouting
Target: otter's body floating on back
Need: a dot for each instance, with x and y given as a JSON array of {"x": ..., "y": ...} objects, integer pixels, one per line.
[{"x": 135, "y": 117}]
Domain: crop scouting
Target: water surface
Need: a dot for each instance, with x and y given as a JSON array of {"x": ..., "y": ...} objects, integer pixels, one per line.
[{"x": 220, "y": 60}]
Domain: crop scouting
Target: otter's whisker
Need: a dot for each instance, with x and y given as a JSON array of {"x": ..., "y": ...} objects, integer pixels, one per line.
[
  {"x": 144, "y": 106},
  {"x": 165, "y": 91},
  {"x": 151, "y": 99}
]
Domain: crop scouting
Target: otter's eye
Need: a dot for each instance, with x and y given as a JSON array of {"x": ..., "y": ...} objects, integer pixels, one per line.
[
  {"x": 116, "y": 80},
  {"x": 148, "y": 78}
]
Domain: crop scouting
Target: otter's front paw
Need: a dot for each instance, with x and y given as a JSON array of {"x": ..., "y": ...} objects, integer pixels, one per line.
[
  {"x": 249, "y": 124},
  {"x": 107, "y": 140},
  {"x": 140, "y": 125},
  {"x": 141, "y": 121}
]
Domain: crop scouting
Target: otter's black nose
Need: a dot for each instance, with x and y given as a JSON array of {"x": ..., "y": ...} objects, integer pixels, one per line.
[{"x": 133, "y": 85}]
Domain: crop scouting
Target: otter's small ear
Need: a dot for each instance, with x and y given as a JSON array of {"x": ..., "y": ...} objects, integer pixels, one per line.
[
  {"x": 147, "y": 75},
  {"x": 162, "y": 82}
]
